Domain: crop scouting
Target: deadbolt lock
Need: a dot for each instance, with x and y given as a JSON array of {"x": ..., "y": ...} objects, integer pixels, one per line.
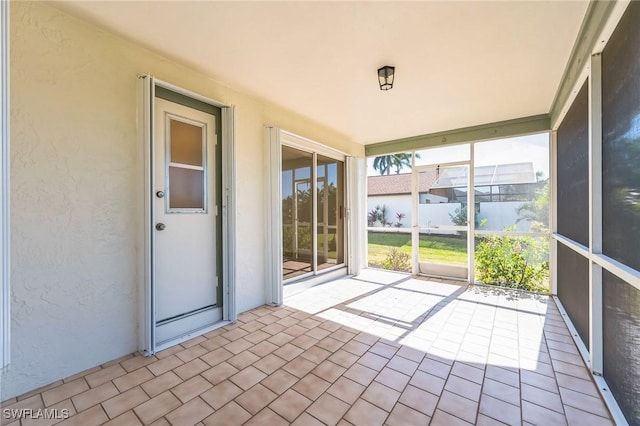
[
  {"x": 160, "y": 194},
  {"x": 160, "y": 226}
]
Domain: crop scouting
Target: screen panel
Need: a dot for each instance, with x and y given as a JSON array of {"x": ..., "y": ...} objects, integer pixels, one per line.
[
  {"x": 621, "y": 140},
  {"x": 573, "y": 288},
  {"x": 573, "y": 170},
  {"x": 621, "y": 336}
]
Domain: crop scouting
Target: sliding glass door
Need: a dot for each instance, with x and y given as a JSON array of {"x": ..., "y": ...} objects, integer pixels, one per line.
[{"x": 312, "y": 213}]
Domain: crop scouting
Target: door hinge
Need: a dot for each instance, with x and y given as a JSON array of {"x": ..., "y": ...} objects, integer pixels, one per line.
[{"x": 217, "y": 210}]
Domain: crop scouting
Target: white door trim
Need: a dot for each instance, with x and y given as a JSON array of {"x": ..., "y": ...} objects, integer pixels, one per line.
[
  {"x": 5, "y": 318},
  {"x": 146, "y": 99}
]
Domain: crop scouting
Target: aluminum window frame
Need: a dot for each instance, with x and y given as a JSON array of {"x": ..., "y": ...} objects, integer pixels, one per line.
[{"x": 5, "y": 292}]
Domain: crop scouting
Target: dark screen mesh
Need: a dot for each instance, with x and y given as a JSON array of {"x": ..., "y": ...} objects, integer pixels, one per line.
[
  {"x": 621, "y": 140},
  {"x": 573, "y": 170},
  {"x": 573, "y": 289},
  {"x": 621, "y": 335}
]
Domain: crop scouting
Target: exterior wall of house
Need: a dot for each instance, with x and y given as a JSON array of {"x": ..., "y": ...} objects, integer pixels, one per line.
[{"x": 76, "y": 172}]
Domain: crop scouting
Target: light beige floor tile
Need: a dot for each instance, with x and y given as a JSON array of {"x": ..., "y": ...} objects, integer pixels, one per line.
[
  {"x": 401, "y": 415},
  {"x": 124, "y": 402},
  {"x": 500, "y": 410},
  {"x": 220, "y": 394},
  {"x": 365, "y": 413},
  {"x": 190, "y": 413},
  {"x": 347, "y": 390},
  {"x": 381, "y": 396},
  {"x": 230, "y": 414},
  {"x": 126, "y": 419},
  {"x": 290, "y": 404},
  {"x": 458, "y": 406},
  {"x": 190, "y": 389},
  {"x": 279, "y": 381},
  {"x": 256, "y": 398},
  {"x": 94, "y": 396},
  {"x": 247, "y": 377},
  {"x": 156, "y": 407},
  {"x": 267, "y": 417},
  {"x": 166, "y": 364},
  {"x": 329, "y": 371},
  {"x": 64, "y": 391},
  {"x": 161, "y": 383},
  {"x": 93, "y": 416},
  {"x": 328, "y": 409}
]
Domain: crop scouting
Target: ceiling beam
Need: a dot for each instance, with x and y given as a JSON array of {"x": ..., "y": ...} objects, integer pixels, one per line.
[{"x": 501, "y": 129}]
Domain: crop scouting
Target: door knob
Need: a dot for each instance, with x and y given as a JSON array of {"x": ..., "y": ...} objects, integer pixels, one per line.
[
  {"x": 160, "y": 226},
  {"x": 160, "y": 194}
]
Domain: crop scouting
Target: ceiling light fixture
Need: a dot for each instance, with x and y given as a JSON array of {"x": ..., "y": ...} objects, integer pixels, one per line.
[{"x": 385, "y": 77}]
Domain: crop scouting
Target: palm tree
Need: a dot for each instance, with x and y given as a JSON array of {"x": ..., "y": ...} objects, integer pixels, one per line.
[{"x": 385, "y": 163}]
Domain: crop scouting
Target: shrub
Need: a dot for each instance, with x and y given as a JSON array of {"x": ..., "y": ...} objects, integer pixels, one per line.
[
  {"x": 396, "y": 260},
  {"x": 513, "y": 261},
  {"x": 372, "y": 217}
]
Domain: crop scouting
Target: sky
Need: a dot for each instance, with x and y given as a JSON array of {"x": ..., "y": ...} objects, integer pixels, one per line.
[{"x": 519, "y": 149}]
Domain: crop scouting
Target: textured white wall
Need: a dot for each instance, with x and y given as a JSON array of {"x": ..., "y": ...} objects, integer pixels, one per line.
[
  {"x": 76, "y": 176},
  {"x": 498, "y": 214},
  {"x": 395, "y": 204}
]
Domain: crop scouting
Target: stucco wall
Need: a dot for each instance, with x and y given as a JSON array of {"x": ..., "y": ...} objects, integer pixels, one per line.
[
  {"x": 76, "y": 176},
  {"x": 498, "y": 215}
]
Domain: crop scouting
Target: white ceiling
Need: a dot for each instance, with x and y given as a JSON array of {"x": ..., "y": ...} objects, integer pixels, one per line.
[{"x": 457, "y": 64}]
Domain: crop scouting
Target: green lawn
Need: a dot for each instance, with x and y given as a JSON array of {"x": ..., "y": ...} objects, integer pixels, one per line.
[
  {"x": 447, "y": 249},
  {"x": 433, "y": 248}
]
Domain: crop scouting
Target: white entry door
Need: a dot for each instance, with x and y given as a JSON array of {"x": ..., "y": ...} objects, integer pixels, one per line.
[{"x": 184, "y": 262}]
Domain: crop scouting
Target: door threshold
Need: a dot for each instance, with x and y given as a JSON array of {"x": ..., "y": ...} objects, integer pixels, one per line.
[
  {"x": 195, "y": 333},
  {"x": 302, "y": 285}
]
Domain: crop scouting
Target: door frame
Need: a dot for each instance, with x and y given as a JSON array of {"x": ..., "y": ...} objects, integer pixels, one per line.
[
  {"x": 147, "y": 85},
  {"x": 469, "y": 229},
  {"x": 275, "y": 139}
]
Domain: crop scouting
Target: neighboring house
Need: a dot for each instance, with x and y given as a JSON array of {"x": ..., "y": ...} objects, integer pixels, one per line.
[
  {"x": 499, "y": 191},
  {"x": 394, "y": 192}
]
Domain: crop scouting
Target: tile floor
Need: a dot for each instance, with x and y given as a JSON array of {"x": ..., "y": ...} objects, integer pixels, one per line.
[{"x": 382, "y": 348}]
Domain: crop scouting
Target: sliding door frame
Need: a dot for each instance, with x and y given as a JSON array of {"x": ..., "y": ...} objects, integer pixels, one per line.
[{"x": 276, "y": 139}]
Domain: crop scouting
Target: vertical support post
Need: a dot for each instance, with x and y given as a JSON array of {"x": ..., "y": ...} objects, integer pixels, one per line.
[
  {"x": 313, "y": 187},
  {"x": 5, "y": 322},
  {"x": 553, "y": 212},
  {"x": 274, "y": 217},
  {"x": 415, "y": 226},
  {"x": 471, "y": 215},
  {"x": 146, "y": 93},
  {"x": 229, "y": 217},
  {"x": 356, "y": 213},
  {"x": 595, "y": 214}
]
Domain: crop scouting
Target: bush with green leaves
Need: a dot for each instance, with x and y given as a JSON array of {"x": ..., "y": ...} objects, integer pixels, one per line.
[
  {"x": 514, "y": 261},
  {"x": 397, "y": 260}
]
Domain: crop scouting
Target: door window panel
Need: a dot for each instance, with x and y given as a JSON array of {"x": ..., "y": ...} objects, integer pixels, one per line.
[
  {"x": 186, "y": 143},
  {"x": 186, "y": 170},
  {"x": 186, "y": 187},
  {"x": 297, "y": 219}
]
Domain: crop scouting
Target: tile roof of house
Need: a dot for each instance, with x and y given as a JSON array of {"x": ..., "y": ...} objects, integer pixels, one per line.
[{"x": 399, "y": 184}]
